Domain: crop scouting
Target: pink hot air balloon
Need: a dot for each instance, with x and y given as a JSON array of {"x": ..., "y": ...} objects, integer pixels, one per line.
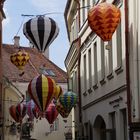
[
  {"x": 21, "y": 110},
  {"x": 30, "y": 106},
  {"x": 51, "y": 113}
]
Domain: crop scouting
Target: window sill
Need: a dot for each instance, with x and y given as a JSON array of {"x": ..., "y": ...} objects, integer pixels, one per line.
[
  {"x": 85, "y": 93},
  {"x": 119, "y": 70},
  {"x": 89, "y": 90},
  {"x": 102, "y": 82},
  {"x": 110, "y": 76},
  {"x": 95, "y": 86}
]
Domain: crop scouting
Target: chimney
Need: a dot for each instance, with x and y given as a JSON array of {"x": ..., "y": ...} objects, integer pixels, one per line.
[{"x": 16, "y": 41}]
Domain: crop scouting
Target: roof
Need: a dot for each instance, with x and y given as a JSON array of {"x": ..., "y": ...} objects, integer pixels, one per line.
[{"x": 32, "y": 68}]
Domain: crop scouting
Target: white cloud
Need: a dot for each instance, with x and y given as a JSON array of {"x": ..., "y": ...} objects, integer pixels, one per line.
[
  {"x": 7, "y": 20},
  {"x": 49, "y": 5}
]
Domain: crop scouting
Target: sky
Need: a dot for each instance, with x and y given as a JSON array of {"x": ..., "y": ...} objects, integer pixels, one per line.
[{"x": 11, "y": 25}]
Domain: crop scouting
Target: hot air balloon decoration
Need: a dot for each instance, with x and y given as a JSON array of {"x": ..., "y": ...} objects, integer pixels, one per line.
[
  {"x": 30, "y": 106},
  {"x": 68, "y": 100},
  {"x": 63, "y": 112},
  {"x": 36, "y": 112},
  {"x": 13, "y": 113},
  {"x": 19, "y": 59},
  {"x": 51, "y": 113},
  {"x": 41, "y": 90},
  {"x": 58, "y": 92},
  {"x": 41, "y": 31},
  {"x": 21, "y": 111},
  {"x": 103, "y": 19}
]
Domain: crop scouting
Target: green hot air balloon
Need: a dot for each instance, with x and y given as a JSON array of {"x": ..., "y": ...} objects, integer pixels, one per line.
[{"x": 68, "y": 100}]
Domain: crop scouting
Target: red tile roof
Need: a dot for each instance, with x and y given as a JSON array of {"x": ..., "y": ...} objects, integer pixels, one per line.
[{"x": 31, "y": 68}]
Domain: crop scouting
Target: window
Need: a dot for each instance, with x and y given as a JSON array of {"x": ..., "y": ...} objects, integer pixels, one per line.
[
  {"x": 102, "y": 61},
  {"x": 55, "y": 125},
  {"x": 83, "y": 11},
  {"x": 70, "y": 84},
  {"x": 119, "y": 46},
  {"x": 110, "y": 59},
  {"x": 112, "y": 131},
  {"x": 85, "y": 73},
  {"x": 88, "y": 5},
  {"x": 95, "y": 63},
  {"x": 89, "y": 68},
  {"x": 124, "y": 124},
  {"x": 45, "y": 71}
]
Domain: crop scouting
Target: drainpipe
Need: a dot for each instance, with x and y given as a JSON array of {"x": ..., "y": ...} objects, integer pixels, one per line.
[
  {"x": 128, "y": 71},
  {"x": 79, "y": 76}
]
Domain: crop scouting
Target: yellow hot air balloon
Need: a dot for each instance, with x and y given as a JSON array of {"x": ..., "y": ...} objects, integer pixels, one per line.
[
  {"x": 19, "y": 59},
  {"x": 58, "y": 92}
]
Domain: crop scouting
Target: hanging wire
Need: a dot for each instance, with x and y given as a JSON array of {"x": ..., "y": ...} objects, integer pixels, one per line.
[
  {"x": 51, "y": 13},
  {"x": 20, "y": 26}
]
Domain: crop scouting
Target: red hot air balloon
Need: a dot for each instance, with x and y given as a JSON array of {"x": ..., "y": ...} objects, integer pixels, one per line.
[
  {"x": 51, "y": 113},
  {"x": 21, "y": 110},
  {"x": 36, "y": 112},
  {"x": 103, "y": 19},
  {"x": 41, "y": 89},
  {"x": 13, "y": 113}
]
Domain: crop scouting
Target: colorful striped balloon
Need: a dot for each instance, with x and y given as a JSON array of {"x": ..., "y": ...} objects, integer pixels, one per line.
[
  {"x": 63, "y": 112},
  {"x": 21, "y": 110},
  {"x": 41, "y": 89},
  {"x": 13, "y": 113},
  {"x": 19, "y": 59},
  {"x": 58, "y": 92},
  {"x": 104, "y": 19},
  {"x": 68, "y": 100},
  {"x": 51, "y": 113}
]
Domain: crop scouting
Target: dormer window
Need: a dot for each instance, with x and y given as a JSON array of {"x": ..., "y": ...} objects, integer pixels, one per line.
[{"x": 45, "y": 71}]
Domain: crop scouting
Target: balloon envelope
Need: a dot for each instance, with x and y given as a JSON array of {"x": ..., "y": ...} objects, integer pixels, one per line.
[
  {"x": 30, "y": 106},
  {"x": 41, "y": 89},
  {"x": 41, "y": 31},
  {"x": 13, "y": 113},
  {"x": 51, "y": 113},
  {"x": 21, "y": 110},
  {"x": 19, "y": 59},
  {"x": 68, "y": 100},
  {"x": 104, "y": 19},
  {"x": 36, "y": 111},
  {"x": 58, "y": 92},
  {"x": 63, "y": 112}
]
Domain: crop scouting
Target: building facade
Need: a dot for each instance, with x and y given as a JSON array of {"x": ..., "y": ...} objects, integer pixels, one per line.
[{"x": 97, "y": 71}]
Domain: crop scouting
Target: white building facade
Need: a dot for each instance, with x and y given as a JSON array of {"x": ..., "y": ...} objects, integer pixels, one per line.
[{"x": 102, "y": 65}]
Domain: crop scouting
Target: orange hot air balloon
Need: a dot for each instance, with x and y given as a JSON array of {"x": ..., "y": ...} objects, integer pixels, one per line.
[
  {"x": 103, "y": 19},
  {"x": 19, "y": 59}
]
